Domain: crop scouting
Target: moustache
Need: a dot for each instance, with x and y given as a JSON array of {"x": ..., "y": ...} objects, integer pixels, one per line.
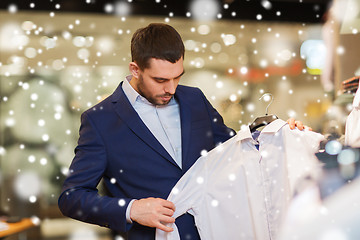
[{"x": 166, "y": 95}]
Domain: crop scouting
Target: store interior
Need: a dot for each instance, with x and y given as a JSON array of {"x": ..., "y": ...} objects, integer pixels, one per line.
[{"x": 59, "y": 59}]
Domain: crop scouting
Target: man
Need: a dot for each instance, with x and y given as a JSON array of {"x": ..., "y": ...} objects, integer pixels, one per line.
[{"x": 140, "y": 141}]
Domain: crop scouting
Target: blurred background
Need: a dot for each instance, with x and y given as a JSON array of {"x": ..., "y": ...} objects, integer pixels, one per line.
[{"x": 58, "y": 58}]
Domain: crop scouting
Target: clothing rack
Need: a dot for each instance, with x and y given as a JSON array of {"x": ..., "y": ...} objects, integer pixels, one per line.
[{"x": 350, "y": 85}]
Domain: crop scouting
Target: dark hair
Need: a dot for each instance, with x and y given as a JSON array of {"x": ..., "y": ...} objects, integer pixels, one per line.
[{"x": 157, "y": 40}]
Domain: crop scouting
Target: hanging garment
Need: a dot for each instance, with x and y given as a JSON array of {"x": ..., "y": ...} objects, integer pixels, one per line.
[
  {"x": 337, "y": 217},
  {"x": 352, "y": 127},
  {"x": 237, "y": 191},
  {"x": 350, "y": 85}
]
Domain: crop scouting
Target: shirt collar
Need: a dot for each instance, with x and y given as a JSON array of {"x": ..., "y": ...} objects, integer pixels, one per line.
[
  {"x": 129, "y": 91},
  {"x": 273, "y": 127}
]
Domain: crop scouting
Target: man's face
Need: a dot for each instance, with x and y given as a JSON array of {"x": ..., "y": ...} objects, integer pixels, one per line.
[{"x": 158, "y": 82}]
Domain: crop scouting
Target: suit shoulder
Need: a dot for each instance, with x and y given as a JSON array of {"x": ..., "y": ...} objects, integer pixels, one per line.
[
  {"x": 102, "y": 105},
  {"x": 187, "y": 90}
]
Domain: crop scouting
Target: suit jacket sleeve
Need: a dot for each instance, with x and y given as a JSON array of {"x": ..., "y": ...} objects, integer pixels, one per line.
[
  {"x": 80, "y": 198},
  {"x": 221, "y": 132}
]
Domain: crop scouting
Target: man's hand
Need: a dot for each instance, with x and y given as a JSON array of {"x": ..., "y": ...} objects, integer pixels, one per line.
[
  {"x": 153, "y": 212},
  {"x": 293, "y": 123}
]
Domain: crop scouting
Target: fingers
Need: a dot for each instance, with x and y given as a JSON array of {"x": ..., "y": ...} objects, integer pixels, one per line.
[
  {"x": 167, "y": 204},
  {"x": 291, "y": 122},
  {"x": 165, "y": 219},
  {"x": 299, "y": 125},
  {"x": 164, "y": 227},
  {"x": 153, "y": 212},
  {"x": 162, "y": 224},
  {"x": 166, "y": 211}
]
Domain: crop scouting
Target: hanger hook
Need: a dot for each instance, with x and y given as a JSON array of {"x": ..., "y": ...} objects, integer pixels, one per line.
[{"x": 272, "y": 99}]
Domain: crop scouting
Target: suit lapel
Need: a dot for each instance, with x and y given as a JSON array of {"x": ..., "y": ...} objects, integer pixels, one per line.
[
  {"x": 128, "y": 114},
  {"x": 185, "y": 118}
]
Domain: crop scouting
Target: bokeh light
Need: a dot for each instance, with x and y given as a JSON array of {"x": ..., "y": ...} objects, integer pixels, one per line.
[
  {"x": 204, "y": 9},
  {"x": 333, "y": 147},
  {"x": 27, "y": 184}
]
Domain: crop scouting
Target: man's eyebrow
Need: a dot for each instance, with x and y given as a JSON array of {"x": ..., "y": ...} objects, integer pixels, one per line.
[
  {"x": 165, "y": 79},
  {"x": 183, "y": 72}
]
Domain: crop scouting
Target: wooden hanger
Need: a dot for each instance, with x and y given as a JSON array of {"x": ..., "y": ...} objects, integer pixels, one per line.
[{"x": 263, "y": 120}]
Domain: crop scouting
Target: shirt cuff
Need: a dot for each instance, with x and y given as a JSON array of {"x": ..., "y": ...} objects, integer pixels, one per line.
[{"x": 128, "y": 219}]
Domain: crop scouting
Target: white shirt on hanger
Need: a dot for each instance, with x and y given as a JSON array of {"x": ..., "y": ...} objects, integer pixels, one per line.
[
  {"x": 352, "y": 127},
  {"x": 337, "y": 217},
  {"x": 239, "y": 192}
]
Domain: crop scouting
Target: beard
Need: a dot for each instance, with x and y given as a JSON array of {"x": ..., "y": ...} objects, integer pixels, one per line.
[{"x": 154, "y": 99}]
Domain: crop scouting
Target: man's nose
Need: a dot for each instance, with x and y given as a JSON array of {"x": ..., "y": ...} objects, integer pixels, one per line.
[{"x": 170, "y": 86}]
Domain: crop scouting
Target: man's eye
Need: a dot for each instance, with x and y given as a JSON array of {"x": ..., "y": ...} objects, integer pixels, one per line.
[{"x": 160, "y": 80}]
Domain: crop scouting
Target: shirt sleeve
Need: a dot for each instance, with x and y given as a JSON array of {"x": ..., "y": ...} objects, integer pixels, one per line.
[
  {"x": 186, "y": 196},
  {"x": 301, "y": 159},
  {"x": 352, "y": 127},
  {"x": 128, "y": 217}
]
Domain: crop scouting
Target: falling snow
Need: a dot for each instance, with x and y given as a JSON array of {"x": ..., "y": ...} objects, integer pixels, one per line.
[{"x": 53, "y": 67}]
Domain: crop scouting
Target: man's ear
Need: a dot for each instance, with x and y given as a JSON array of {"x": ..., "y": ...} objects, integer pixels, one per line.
[{"x": 134, "y": 69}]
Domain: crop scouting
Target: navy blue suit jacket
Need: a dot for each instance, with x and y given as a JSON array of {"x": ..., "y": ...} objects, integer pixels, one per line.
[{"x": 115, "y": 146}]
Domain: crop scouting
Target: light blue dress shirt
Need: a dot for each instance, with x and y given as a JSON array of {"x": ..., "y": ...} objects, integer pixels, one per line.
[{"x": 162, "y": 120}]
